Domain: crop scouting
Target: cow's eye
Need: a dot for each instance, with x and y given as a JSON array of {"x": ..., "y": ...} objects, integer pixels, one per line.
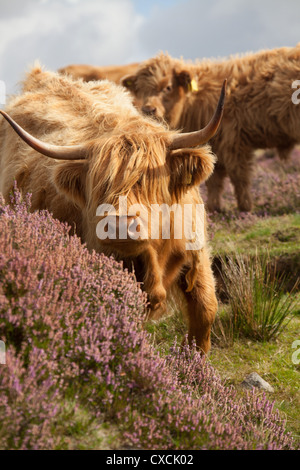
[{"x": 168, "y": 88}]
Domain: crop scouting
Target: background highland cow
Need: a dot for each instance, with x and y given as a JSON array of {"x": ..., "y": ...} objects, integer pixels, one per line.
[{"x": 259, "y": 112}]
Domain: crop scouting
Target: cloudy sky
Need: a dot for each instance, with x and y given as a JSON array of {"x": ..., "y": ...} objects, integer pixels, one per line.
[{"x": 104, "y": 32}]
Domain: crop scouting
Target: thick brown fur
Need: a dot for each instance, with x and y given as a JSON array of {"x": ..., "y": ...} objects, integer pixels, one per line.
[
  {"x": 93, "y": 72},
  {"x": 127, "y": 154},
  {"x": 259, "y": 112}
]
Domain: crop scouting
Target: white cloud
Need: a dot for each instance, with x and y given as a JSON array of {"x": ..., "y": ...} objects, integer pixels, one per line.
[
  {"x": 198, "y": 28},
  {"x": 61, "y": 32},
  {"x": 70, "y": 31}
]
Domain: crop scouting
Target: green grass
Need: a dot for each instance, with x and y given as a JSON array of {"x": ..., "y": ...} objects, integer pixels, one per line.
[
  {"x": 80, "y": 430},
  {"x": 279, "y": 235}
]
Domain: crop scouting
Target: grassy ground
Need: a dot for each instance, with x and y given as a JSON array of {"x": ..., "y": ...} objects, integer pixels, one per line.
[{"x": 280, "y": 236}]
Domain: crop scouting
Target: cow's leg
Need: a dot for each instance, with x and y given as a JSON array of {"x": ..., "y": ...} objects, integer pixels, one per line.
[
  {"x": 172, "y": 269},
  {"x": 202, "y": 305},
  {"x": 284, "y": 152},
  {"x": 240, "y": 176},
  {"x": 215, "y": 186},
  {"x": 153, "y": 282}
]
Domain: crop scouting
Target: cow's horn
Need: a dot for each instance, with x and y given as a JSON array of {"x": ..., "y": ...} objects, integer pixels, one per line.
[
  {"x": 59, "y": 152},
  {"x": 192, "y": 139}
]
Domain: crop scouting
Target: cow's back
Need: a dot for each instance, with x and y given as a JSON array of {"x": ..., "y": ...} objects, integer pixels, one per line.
[
  {"x": 59, "y": 111},
  {"x": 92, "y": 73}
]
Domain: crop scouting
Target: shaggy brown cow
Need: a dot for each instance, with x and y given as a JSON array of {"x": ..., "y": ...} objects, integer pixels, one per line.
[
  {"x": 259, "y": 112},
  {"x": 109, "y": 150},
  {"x": 92, "y": 72}
]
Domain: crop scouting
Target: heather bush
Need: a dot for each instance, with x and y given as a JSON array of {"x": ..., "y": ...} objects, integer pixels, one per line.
[
  {"x": 276, "y": 187},
  {"x": 29, "y": 402},
  {"x": 72, "y": 322},
  {"x": 80, "y": 309}
]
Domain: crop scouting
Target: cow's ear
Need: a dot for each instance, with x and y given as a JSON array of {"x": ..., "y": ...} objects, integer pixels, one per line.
[
  {"x": 129, "y": 82},
  {"x": 70, "y": 179},
  {"x": 184, "y": 80},
  {"x": 189, "y": 167}
]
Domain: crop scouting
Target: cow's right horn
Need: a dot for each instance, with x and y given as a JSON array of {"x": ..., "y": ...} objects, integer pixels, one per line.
[
  {"x": 59, "y": 152},
  {"x": 193, "y": 139}
]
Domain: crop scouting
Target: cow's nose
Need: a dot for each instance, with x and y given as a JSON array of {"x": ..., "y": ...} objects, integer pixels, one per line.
[{"x": 148, "y": 109}]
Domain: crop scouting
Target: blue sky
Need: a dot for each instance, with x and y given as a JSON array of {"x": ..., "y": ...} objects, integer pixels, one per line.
[{"x": 103, "y": 32}]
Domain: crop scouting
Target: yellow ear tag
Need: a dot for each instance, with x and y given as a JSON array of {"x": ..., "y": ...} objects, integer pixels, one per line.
[
  {"x": 194, "y": 86},
  {"x": 188, "y": 179}
]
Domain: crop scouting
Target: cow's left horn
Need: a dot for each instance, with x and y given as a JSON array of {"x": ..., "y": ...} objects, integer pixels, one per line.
[
  {"x": 192, "y": 139},
  {"x": 59, "y": 152}
]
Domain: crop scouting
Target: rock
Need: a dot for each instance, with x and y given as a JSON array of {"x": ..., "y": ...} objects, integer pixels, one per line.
[{"x": 254, "y": 380}]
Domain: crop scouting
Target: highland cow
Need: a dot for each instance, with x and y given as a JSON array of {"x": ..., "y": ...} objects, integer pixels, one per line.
[
  {"x": 89, "y": 73},
  {"x": 259, "y": 111},
  {"x": 84, "y": 146}
]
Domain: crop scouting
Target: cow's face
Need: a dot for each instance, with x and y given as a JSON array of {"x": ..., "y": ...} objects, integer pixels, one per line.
[
  {"x": 160, "y": 92},
  {"x": 119, "y": 212}
]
